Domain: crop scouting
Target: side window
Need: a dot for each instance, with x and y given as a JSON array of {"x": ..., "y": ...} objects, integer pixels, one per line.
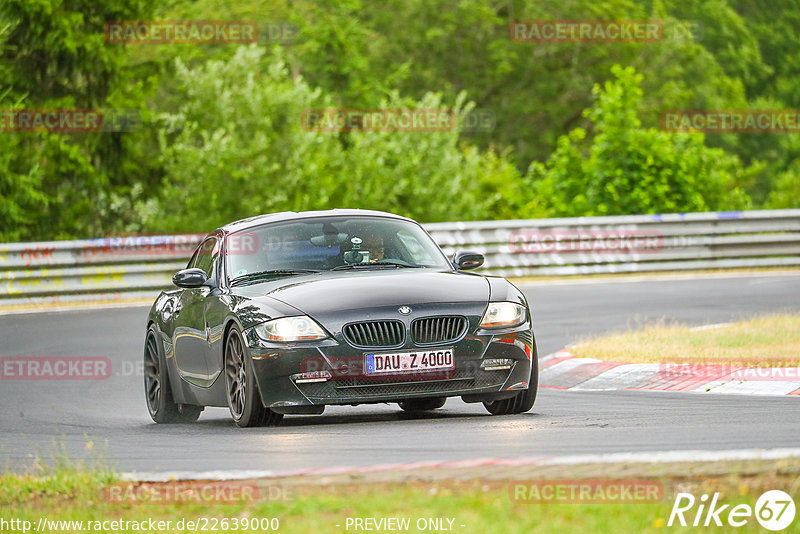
[{"x": 206, "y": 256}]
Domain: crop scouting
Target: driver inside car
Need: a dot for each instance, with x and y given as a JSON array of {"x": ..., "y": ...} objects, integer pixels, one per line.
[{"x": 373, "y": 246}]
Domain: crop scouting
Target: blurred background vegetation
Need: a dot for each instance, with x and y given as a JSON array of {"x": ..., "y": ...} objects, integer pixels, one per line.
[{"x": 576, "y": 131}]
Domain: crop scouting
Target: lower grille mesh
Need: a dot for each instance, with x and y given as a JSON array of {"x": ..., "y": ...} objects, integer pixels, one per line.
[{"x": 348, "y": 388}]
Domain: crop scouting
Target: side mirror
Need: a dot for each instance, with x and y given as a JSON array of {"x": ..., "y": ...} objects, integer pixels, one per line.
[
  {"x": 465, "y": 260},
  {"x": 190, "y": 278}
]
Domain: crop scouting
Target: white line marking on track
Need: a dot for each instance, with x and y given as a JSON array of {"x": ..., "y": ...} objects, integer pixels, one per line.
[
  {"x": 604, "y": 458},
  {"x": 623, "y": 279},
  {"x": 78, "y": 307},
  {"x": 709, "y": 327}
]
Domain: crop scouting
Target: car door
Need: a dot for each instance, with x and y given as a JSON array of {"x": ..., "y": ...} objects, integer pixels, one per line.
[
  {"x": 191, "y": 333},
  {"x": 216, "y": 308}
]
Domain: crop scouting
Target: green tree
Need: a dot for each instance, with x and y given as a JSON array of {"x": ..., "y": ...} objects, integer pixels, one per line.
[
  {"x": 53, "y": 55},
  {"x": 756, "y": 45},
  {"x": 21, "y": 197},
  {"x": 786, "y": 193},
  {"x": 627, "y": 169},
  {"x": 236, "y": 147}
]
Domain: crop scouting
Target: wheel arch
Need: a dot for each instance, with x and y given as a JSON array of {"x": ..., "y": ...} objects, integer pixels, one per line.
[{"x": 230, "y": 322}]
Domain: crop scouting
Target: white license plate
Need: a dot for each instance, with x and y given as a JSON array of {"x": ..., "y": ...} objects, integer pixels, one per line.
[{"x": 401, "y": 362}]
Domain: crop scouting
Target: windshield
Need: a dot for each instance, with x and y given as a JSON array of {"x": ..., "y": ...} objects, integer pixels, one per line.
[{"x": 327, "y": 243}]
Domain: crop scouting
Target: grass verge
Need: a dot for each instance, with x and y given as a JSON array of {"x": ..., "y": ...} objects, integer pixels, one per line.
[
  {"x": 303, "y": 505},
  {"x": 764, "y": 341}
]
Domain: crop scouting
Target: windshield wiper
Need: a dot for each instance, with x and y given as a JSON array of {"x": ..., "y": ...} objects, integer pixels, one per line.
[
  {"x": 257, "y": 275},
  {"x": 379, "y": 263}
]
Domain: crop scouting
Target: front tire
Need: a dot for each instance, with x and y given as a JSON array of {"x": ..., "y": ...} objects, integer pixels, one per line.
[
  {"x": 525, "y": 399},
  {"x": 157, "y": 390},
  {"x": 244, "y": 399}
]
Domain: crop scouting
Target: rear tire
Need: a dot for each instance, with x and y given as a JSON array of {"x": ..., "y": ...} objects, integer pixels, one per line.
[
  {"x": 157, "y": 390},
  {"x": 422, "y": 405},
  {"x": 525, "y": 399},
  {"x": 244, "y": 399}
]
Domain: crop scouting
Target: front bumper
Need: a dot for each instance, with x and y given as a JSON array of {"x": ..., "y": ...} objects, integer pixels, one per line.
[{"x": 275, "y": 366}]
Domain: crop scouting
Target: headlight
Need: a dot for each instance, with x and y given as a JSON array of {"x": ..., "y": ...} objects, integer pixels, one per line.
[
  {"x": 503, "y": 314},
  {"x": 285, "y": 329}
]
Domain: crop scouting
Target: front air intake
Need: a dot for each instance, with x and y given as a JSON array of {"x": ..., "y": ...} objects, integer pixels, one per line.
[
  {"x": 445, "y": 329},
  {"x": 369, "y": 334}
]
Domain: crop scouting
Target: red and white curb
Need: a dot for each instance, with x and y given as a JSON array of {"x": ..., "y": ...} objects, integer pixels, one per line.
[
  {"x": 563, "y": 370},
  {"x": 576, "y": 459}
]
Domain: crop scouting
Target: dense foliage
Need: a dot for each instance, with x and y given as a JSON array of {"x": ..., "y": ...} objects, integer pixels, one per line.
[
  {"x": 576, "y": 125},
  {"x": 629, "y": 169}
]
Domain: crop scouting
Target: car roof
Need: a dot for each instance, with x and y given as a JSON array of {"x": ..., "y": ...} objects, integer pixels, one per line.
[{"x": 259, "y": 220}]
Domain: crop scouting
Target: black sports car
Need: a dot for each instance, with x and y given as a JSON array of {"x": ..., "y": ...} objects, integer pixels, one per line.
[{"x": 289, "y": 312}]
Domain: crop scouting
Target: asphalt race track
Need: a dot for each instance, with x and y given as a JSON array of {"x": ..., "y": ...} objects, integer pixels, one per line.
[{"x": 37, "y": 416}]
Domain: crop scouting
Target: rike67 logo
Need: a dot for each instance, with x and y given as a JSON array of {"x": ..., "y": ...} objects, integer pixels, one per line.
[{"x": 774, "y": 510}]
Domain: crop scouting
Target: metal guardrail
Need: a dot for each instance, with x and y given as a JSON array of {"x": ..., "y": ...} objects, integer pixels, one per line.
[
  {"x": 140, "y": 266},
  {"x": 629, "y": 243}
]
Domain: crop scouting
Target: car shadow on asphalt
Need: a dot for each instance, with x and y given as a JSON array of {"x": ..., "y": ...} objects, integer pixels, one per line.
[
  {"x": 340, "y": 419},
  {"x": 219, "y": 418}
]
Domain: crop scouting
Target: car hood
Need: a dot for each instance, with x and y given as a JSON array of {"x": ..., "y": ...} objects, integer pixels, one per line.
[{"x": 332, "y": 297}]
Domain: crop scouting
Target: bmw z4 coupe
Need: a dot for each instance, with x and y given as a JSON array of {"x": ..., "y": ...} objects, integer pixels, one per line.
[{"x": 289, "y": 312}]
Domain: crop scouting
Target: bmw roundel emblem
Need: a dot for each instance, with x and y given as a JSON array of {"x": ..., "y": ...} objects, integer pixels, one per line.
[{"x": 405, "y": 310}]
